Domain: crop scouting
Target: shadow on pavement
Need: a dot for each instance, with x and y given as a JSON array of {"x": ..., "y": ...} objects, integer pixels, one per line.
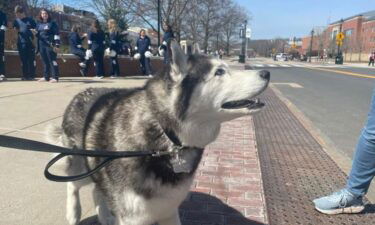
[{"x": 201, "y": 209}]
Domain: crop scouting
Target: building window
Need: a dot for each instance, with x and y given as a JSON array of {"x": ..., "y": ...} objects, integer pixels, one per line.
[
  {"x": 66, "y": 25},
  {"x": 334, "y": 33},
  {"x": 348, "y": 32}
]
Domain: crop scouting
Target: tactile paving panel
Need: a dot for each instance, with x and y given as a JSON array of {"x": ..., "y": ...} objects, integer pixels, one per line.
[{"x": 295, "y": 170}]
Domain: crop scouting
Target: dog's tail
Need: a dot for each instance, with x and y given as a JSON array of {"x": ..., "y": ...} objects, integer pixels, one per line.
[{"x": 54, "y": 135}]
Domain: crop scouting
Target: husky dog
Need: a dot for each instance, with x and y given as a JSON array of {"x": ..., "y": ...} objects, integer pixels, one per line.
[{"x": 184, "y": 105}]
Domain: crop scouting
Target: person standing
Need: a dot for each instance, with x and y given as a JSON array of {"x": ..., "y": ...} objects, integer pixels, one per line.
[
  {"x": 96, "y": 48},
  {"x": 371, "y": 59},
  {"x": 168, "y": 35},
  {"x": 114, "y": 47},
  {"x": 3, "y": 28},
  {"x": 76, "y": 48},
  {"x": 26, "y": 49},
  {"x": 143, "y": 46},
  {"x": 48, "y": 46}
]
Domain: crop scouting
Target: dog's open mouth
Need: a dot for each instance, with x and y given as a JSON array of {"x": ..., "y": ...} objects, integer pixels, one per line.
[{"x": 248, "y": 103}]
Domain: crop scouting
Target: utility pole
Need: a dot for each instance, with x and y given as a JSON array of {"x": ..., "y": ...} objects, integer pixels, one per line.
[
  {"x": 244, "y": 43},
  {"x": 339, "y": 45},
  {"x": 311, "y": 44},
  {"x": 159, "y": 20}
]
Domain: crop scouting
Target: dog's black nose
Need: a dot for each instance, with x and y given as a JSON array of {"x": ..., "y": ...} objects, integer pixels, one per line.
[{"x": 265, "y": 74}]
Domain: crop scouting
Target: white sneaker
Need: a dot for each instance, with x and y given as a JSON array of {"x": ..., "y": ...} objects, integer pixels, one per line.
[
  {"x": 113, "y": 77},
  {"x": 2, "y": 77},
  {"x": 150, "y": 75},
  {"x": 99, "y": 77}
]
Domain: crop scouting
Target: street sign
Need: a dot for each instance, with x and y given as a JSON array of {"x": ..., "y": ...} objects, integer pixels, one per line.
[
  {"x": 339, "y": 42},
  {"x": 340, "y": 36},
  {"x": 248, "y": 32}
]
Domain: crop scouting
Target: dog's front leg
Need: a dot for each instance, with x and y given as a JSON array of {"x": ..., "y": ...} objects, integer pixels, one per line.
[
  {"x": 73, "y": 205},
  {"x": 104, "y": 214},
  {"x": 173, "y": 220}
]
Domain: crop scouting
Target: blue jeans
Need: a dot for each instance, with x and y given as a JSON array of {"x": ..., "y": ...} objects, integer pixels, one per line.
[{"x": 363, "y": 168}]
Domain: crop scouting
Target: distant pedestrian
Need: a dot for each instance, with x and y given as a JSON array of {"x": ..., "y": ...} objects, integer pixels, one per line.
[
  {"x": 143, "y": 48},
  {"x": 221, "y": 53},
  {"x": 371, "y": 59},
  {"x": 96, "y": 48},
  {"x": 26, "y": 49},
  {"x": 48, "y": 46},
  {"x": 3, "y": 28},
  {"x": 75, "y": 42},
  {"x": 114, "y": 47}
]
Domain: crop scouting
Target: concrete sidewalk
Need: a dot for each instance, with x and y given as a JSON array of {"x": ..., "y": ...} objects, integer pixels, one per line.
[{"x": 227, "y": 189}]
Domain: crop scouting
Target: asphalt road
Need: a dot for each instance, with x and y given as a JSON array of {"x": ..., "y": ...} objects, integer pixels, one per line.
[{"x": 336, "y": 100}]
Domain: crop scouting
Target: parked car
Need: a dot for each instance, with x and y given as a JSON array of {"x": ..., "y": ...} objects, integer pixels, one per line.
[{"x": 281, "y": 57}]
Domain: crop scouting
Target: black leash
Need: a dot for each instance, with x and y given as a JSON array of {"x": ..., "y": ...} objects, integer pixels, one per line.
[{"x": 30, "y": 145}]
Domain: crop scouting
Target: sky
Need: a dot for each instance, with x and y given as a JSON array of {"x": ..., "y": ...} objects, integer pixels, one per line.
[{"x": 296, "y": 18}]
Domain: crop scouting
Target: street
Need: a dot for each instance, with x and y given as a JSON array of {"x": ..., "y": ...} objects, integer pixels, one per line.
[{"x": 335, "y": 98}]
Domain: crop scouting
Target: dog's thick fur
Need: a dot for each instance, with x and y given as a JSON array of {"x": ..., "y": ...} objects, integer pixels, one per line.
[{"x": 186, "y": 99}]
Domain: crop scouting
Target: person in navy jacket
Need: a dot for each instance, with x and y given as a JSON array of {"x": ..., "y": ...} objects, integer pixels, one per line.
[
  {"x": 48, "y": 46},
  {"x": 76, "y": 48},
  {"x": 26, "y": 49},
  {"x": 96, "y": 48},
  {"x": 3, "y": 28},
  {"x": 168, "y": 35},
  {"x": 114, "y": 47},
  {"x": 143, "y": 47}
]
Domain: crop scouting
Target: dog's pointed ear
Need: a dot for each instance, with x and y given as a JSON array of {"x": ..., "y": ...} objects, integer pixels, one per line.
[{"x": 178, "y": 61}]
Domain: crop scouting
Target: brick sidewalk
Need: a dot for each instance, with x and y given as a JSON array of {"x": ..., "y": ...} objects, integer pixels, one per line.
[{"x": 228, "y": 187}]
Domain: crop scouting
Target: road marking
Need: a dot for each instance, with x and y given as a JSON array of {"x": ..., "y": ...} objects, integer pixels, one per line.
[
  {"x": 293, "y": 85},
  {"x": 258, "y": 65},
  {"x": 284, "y": 65},
  {"x": 272, "y": 65},
  {"x": 342, "y": 72}
]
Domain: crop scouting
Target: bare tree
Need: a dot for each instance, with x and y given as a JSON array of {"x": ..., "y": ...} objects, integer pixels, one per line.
[{"x": 232, "y": 18}]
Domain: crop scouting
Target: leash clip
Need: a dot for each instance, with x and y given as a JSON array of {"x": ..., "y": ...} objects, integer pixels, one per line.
[{"x": 173, "y": 152}]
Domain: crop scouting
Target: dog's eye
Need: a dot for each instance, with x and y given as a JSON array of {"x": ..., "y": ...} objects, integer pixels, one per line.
[{"x": 219, "y": 72}]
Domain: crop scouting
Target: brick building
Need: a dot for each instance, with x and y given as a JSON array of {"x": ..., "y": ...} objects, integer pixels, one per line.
[{"x": 359, "y": 31}]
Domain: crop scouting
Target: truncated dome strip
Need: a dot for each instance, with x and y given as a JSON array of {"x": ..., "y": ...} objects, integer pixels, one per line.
[{"x": 296, "y": 170}]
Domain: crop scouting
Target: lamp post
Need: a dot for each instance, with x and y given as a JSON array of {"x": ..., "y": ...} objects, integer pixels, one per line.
[
  {"x": 311, "y": 43},
  {"x": 159, "y": 18},
  {"x": 338, "y": 46},
  {"x": 243, "y": 51}
]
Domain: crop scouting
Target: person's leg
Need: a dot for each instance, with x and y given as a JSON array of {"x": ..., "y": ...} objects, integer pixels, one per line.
[
  {"x": 115, "y": 70},
  {"x": 101, "y": 63},
  {"x": 363, "y": 168},
  {"x": 2, "y": 55},
  {"x": 22, "y": 52},
  {"x": 82, "y": 61},
  {"x": 31, "y": 62},
  {"x": 143, "y": 62},
  {"x": 52, "y": 56},
  {"x": 148, "y": 66},
  {"x": 46, "y": 64}
]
